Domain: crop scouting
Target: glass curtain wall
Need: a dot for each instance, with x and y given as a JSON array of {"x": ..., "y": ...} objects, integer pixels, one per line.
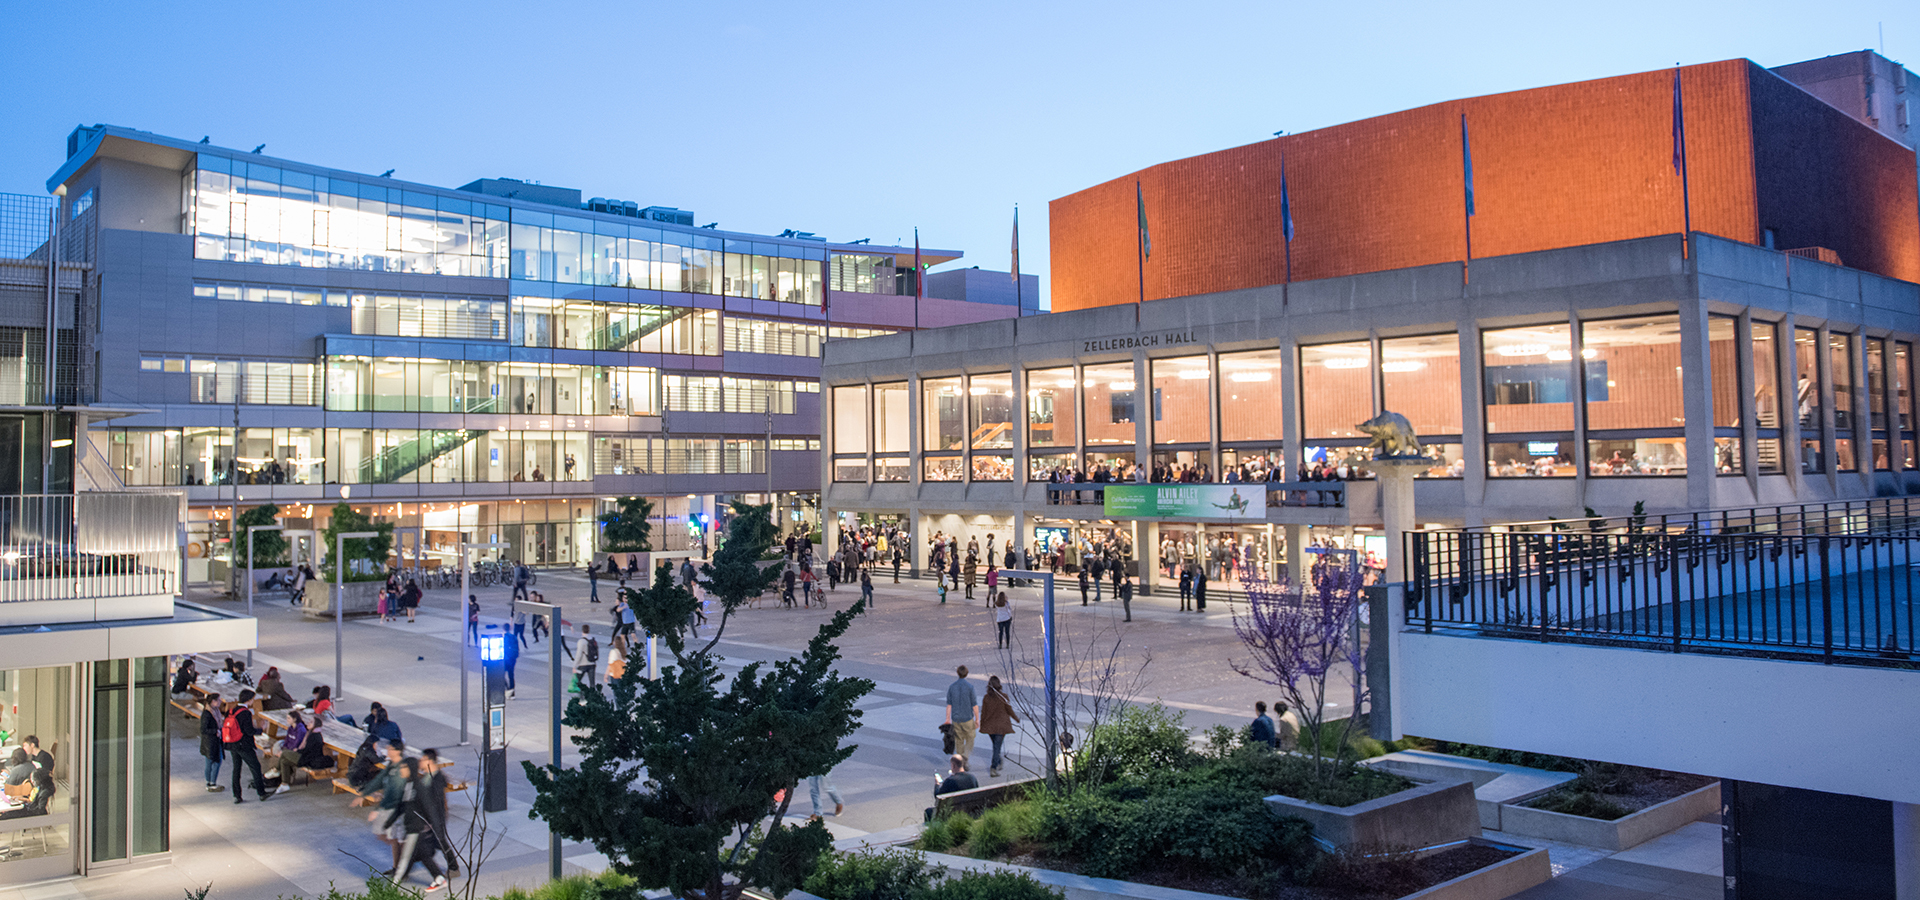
[
  {"x": 1840, "y": 358},
  {"x": 990, "y": 408},
  {"x": 1420, "y": 379},
  {"x": 1529, "y": 391},
  {"x": 1723, "y": 357},
  {"x": 1250, "y": 405},
  {"x": 40, "y": 703},
  {"x": 850, "y": 443},
  {"x": 1336, "y": 395},
  {"x": 1182, "y": 419},
  {"x": 892, "y": 432},
  {"x": 1767, "y": 397},
  {"x": 1636, "y": 411},
  {"x": 942, "y": 429},
  {"x": 1052, "y": 423},
  {"x": 1807, "y": 403},
  {"x": 1901, "y": 398},
  {"x": 1108, "y": 393}
]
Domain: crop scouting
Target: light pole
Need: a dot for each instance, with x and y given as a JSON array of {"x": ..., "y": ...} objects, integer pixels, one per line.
[
  {"x": 465, "y": 569},
  {"x": 250, "y": 531},
  {"x": 1046, "y": 664},
  {"x": 555, "y": 695},
  {"x": 340, "y": 605}
]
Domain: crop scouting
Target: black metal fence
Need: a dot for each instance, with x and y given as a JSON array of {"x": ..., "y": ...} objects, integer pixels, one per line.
[{"x": 1834, "y": 583}]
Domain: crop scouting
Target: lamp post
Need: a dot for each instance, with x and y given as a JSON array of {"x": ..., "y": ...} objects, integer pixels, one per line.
[
  {"x": 555, "y": 695},
  {"x": 465, "y": 569},
  {"x": 1046, "y": 664},
  {"x": 250, "y": 532},
  {"x": 340, "y": 604}
]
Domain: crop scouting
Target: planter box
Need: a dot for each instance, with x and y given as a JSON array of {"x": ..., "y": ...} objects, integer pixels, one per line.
[
  {"x": 1496, "y": 786},
  {"x": 359, "y": 598},
  {"x": 1496, "y": 882},
  {"x": 1422, "y": 816},
  {"x": 1619, "y": 834}
]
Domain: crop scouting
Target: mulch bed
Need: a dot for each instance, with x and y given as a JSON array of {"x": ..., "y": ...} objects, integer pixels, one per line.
[{"x": 1366, "y": 881}]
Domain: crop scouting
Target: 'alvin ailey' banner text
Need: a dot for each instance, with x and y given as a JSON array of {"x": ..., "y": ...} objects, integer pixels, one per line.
[{"x": 1185, "y": 501}]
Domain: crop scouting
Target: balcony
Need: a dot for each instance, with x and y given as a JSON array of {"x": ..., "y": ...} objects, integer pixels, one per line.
[{"x": 88, "y": 557}]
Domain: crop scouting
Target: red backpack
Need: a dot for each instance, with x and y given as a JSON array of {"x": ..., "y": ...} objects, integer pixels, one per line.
[{"x": 230, "y": 729}]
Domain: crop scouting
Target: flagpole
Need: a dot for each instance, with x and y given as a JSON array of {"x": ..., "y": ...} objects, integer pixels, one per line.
[
  {"x": 1019, "y": 297},
  {"x": 1286, "y": 227},
  {"x": 1680, "y": 157},
  {"x": 1466, "y": 168},
  {"x": 1140, "y": 250}
]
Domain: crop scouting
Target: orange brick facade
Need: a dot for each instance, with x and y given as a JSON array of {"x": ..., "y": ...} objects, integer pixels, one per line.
[{"x": 1553, "y": 167}]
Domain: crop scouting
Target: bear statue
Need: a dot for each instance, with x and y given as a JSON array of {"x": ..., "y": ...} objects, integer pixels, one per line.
[{"x": 1393, "y": 437}]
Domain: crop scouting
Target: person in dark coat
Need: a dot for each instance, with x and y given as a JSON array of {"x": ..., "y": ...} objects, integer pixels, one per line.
[
  {"x": 210, "y": 716},
  {"x": 1200, "y": 591},
  {"x": 243, "y": 752}
]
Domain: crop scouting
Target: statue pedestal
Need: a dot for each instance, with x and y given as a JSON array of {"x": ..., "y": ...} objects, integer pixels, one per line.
[{"x": 1397, "y": 515}]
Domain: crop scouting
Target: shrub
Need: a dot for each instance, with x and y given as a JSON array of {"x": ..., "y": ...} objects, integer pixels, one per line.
[
  {"x": 936, "y": 837},
  {"x": 1139, "y": 742},
  {"x": 989, "y": 886},
  {"x": 959, "y": 829},
  {"x": 1222, "y": 740},
  {"x": 893, "y": 875},
  {"x": 605, "y": 886},
  {"x": 1003, "y": 826},
  {"x": 1580, "y": 803},
  {"x": 1220, "y": 824}
]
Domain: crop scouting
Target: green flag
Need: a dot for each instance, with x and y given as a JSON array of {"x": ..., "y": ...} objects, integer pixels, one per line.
[{"x": 1146, "y": 242}]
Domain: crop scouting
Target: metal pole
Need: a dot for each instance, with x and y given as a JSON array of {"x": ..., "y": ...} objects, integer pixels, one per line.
[
  {"x": 1048, "y": 645},
  {"x": 466, "y": 735},
  {"x": 339, "y": 607},
  {"x": 256, "y": 624},
  {"x": 555, "y": 701}
]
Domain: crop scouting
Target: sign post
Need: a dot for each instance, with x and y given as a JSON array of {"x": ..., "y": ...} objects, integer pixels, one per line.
[
  {"x": 493, "y": 656},
  {"x": 466, "y": 567}
]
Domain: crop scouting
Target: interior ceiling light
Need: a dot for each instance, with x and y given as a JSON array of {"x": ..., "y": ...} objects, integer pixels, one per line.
[
  {"x": 1524, "y": 350},
  {"x": 1346, "y": 362},
  {"x": 1251, "y": 376},
  {"x": 1560, "y": 355},
  {"x": 1120, "y": 385},
  {"x": 1402, "y": 365},
  {"x": 1194, "y": 374}
]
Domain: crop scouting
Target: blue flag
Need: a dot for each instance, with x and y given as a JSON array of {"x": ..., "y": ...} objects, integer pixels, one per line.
[
  {"x": 1466, "y": 162},
  {"x": 1286, "y": 206}
]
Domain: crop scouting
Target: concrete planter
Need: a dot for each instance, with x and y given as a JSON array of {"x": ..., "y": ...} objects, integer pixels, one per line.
[
  {"x": 1496, "y": 882},
  {"x": 359, "y": 598},
  {"x": 1618, "y": 834},
  {"x": 1422, "y": 816}
]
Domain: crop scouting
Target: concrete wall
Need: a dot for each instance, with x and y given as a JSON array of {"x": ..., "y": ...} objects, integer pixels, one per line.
[{"x": 1839, "y": 729}]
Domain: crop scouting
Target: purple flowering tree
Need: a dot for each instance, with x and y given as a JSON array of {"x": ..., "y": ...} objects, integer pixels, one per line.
[{"x": 1301, "y": 637}]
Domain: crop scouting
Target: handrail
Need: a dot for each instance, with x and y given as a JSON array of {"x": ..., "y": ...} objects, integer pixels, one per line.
[{"x": 1834, "y": 517}]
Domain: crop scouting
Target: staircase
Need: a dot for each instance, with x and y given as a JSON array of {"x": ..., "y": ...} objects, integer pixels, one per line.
[{"x": 622, "y": 331}]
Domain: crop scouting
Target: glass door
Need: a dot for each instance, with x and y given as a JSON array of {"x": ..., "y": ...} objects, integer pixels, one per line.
[{"x": 38, "y": 810}]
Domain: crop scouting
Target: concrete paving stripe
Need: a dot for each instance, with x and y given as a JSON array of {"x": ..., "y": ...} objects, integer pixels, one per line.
[{"x": 262, "y": 660}]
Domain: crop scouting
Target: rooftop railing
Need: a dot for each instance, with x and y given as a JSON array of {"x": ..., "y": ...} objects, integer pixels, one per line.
[
  {"x": 88, "y": 546},
  {"x": 1831, "y": 582}
]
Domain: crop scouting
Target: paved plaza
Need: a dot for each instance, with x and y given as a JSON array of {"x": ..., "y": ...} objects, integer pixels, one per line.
[{"x": 299, "y": 843}]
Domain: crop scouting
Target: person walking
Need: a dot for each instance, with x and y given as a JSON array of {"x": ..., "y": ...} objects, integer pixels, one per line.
[
  {"x": 1083, "y": 586},
  {"x": 629, "y": 621},
  {"x": 1119, "y": 572},
  {"x": 993, "y": 578},
  {"x": 473, "y": 619},
  {"x": 1125, "y": 591},
  {"x": 866, "y": 589},
  {"x": 409, "y": 816},
  {"x": 211, "y": 716},
  {"x": 818, "y": 783},
  {"x": 898, "y": 557},
  {"x": 593, "y": 584},
  {"x": 806, "y": 587},
  {"x": 540, "y": 623},
  {"x": 589, "y": 670},
  {"x": 1200, "y": 591},
  {"x": 996, "y": 721},
  {"x": 512, "y": 658},
  {"x": 1003, "y": 621},
  {"x": 521, "y": 576},
  {"x": 973, "y": 572},
  {"x": 1099, "y": 567},
  {"x": 434, "y": 800},
  {"x": 236, "y": 735},
  {"x": 963, "y": 707},
  {"x": 519, "y": 628}
]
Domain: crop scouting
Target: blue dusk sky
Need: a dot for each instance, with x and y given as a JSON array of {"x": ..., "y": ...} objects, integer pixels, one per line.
[{"x": 850, "y": 119}]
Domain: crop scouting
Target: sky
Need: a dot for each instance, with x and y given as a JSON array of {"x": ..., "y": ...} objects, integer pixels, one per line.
[{"x": 848, "y": 119}]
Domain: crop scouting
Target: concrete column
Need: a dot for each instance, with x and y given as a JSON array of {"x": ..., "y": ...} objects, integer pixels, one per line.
[
  {"x": 1296, "y": 556},
  {"x": 915, "y": 448},
  {"x": 1823, "y": 362},
  {"x": 1142, "y": 411},
  {"x": 1019, "y": 415},
  {"x": 1577, "y": 369},
  {"x": 1473, "y": 424},
  {"x": 1697, "y": 405},
  {"x": 1792, "y": 457},
  {"x": 1290, "y": 407},
  {"x": 1749, "y": 411},
  {"x": 1397, "y": 514},
  {"x": 1148, "y": 551}
]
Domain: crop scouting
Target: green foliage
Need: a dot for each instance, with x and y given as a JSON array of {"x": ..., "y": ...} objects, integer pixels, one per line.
[
  {"x": 269, "y": 547},
  {"x": 735, "y": 575},
  {"x": 959, "y": 829},
  {"x": 1136, "y": 743},
  {"x": 626, "y": 529},
  {"x": 1001, "y": 826},
  {"x": 373, "y": 551},
  {"x": 892, "y": 875},
  {"x": 1509, "y": 757},
  {"x": 378, "y": 888},
  {"x": 1222, "y": 740},
  {"x": 1580, "y": 803},
  {"x": 199, "y": 893},
  {"x": 1358, "y": 745},
  {"x": 989, "y": 886},
  {"x": 712, "y": 759},
  {"x": 935, "y": 838},
  {"x": 1222, "y": 825}
]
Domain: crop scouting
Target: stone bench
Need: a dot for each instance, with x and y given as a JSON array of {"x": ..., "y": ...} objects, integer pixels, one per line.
[{"x": 975, "y": 801}]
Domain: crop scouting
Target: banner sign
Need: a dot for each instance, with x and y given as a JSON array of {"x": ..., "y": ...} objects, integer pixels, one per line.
[{"x": 1186, "y": 501}]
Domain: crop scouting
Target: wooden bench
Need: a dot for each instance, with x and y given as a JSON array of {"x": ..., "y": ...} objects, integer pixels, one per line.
[
  {"x": 980, "y": 799},
  {"x": 186, "y": 707}
]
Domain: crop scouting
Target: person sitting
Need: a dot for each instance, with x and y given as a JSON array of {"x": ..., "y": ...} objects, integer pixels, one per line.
[
  {"x": 184, "y": 677},
  {"x": 366, "y": 764},
  {"x": 311, "y": 754},
  {"x": 37, "y": 800},
  {"x": 20, "y": 770},
  {"x": 273, "y": 692},
  {"x": 41, "y": 759},
  {"x": 296, "y": 735},
  {"x": 958, "y": 779},
  {"x": 379, "y": 724},
  {"x": 321, "y": 703}
]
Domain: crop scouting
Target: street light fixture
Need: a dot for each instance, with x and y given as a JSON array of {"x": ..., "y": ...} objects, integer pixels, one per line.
[
  {"x": 250, "y": 579},
  {"x": 466, "y": 568},
  {"x": 340, "y": 605},
  {"x": 555, "y": 696}
]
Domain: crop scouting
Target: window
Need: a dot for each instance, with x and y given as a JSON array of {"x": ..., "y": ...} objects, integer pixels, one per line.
[
  {"x": 1633, "y": 383},
  {"x": 1250, "y": 396},
  {"x": 1901, "y": 398},
  {"x": 1050, "y": 409},
  {"x": 1420, "y": 379},
  {"x": 1723, "y": 356},
  {"x": 1108, "y": 392},
  {"x": 1806, "y": 360},
  {"x": 1182, "y": 397},
  {"x": 891, "y": 421},
  {"x": 1840, "y": 349},
  {"x": 1529, "y": 379},
  {"x": 692, "y": 393},
  {"x": 942, "y": 417},
  {"x": 1336, "y": 389},
  {"x": 150, "y": 365},
  {"x": 850, "y": 421},
  {"x": 990, "y": 412}
]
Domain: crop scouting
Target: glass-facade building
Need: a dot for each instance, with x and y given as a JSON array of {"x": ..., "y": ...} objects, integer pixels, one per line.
[{"x": 486, "y": 363}]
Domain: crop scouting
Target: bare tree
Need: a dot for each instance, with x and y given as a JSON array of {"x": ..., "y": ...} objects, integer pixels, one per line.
[
  {"x": 1299, "y": 636},
  {"x": 1095, "y": 673}
]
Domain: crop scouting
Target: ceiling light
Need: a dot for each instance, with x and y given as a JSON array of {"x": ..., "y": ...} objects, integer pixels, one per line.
[
  {"x": 1250, "y": 376},
  {"x": 1524, "y": 350},
  {"x": 1588, "y": 353},
  {"x": 1346, "y": 362},
  {"x": 1560, "y": 355},
  {"x": 1120, "y": 385},
  {"x": 1402, "y": 365},
  {"x": 1194, "y": 374}
]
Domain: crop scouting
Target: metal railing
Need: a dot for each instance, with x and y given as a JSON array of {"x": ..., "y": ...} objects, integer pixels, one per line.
[
  {"x": 1309, "y": 494},
  {"x": 1883, "y": 514},
  {"x": 88, "y": 546},
  {"x": 1836, "y": 588}
]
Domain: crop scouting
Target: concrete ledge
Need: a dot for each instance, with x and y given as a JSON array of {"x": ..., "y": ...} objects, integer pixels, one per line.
[
  {"x": 1422, "y": 816},
  {"x": 1496, "y": 882},
  {"x": 1076, "y": 887},
  {"x": 1495, "y": 785},
  {"x": 1619, "y": 834},
  {"x": 359, "y": 598}
]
